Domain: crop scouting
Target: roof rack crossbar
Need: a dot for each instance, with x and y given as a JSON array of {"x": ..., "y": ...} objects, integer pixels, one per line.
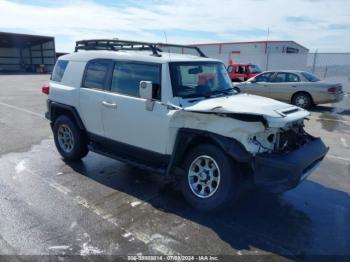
[{"x": 115, "y": 45}]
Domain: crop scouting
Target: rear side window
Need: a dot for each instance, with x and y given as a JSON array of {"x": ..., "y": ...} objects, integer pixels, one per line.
[
  {"x": 293, "y": 78},
  {"x": 58, "y": 71},
  {"x": 241, "y": 70},
  {"x": 280, "y": 77},
  {"x": 230, "y": 69},
  {"x": 127, "y": 76},
  {"x": 96, "y": 74}
]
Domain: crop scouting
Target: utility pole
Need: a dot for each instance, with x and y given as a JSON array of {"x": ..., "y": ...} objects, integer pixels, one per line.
[
  {"x": 266, "y": 49},
  {"x": 314, "y": 63}
]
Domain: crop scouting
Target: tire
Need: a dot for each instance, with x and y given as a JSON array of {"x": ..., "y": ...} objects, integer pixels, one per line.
[
  {"x": 223, "y": 174},
  {"x": 302, "y": 100},
  {"x": 70, "y": 141},
  {"x": 237, "y": 89}
]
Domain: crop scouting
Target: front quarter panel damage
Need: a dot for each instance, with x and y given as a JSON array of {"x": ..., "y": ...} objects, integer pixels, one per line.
[{"x": 219, "y": 124}]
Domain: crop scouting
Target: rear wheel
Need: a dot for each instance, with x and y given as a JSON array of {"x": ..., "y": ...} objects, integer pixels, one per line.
[
  {"x": 70, "y": 141},
  {"x": 302, "y": 100},
  {"x": 211, "y": 178}
]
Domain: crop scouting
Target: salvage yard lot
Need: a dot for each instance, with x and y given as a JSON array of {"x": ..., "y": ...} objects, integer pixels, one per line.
[{"x": 102, "y": 206}]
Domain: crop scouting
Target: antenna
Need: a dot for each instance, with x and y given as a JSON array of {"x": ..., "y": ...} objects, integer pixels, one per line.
[{"x": 166, "y": 41}]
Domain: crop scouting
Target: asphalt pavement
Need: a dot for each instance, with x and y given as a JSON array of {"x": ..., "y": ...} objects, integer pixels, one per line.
[{"x": 100, "y": 206}]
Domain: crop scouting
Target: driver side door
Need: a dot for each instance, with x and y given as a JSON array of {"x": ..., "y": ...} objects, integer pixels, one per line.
[
  {"x": 128, "y": 124},
  {"x": 259, "y": 85}
]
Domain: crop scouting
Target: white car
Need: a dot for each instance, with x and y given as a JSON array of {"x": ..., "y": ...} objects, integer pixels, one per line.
[{"x": 176, "y": 115}]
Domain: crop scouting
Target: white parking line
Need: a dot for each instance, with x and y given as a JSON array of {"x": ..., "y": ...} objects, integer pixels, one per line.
[
  {"x": 338, "y": 157},
  {"x": 22, "y": 110},
  {"x": 343, "y": 141},
  {"x": 329, "y": 119}
]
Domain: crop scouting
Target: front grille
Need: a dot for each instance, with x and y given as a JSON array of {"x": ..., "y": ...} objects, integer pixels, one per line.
[{"x": 290, "y": 140}]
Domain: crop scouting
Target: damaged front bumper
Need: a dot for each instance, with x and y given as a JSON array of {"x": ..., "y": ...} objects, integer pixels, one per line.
[{"x": 282, "y": 172}]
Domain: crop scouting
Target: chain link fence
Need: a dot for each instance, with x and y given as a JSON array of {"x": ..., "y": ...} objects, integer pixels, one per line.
[{"x": 333, "y": 67}]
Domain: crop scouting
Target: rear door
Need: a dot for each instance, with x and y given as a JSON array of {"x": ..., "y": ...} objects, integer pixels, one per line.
[{"x": 92, "y": 92}]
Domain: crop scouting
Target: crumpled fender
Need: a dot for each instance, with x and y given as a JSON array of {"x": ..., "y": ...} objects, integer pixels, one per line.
[{"x": 186, "y": 136}]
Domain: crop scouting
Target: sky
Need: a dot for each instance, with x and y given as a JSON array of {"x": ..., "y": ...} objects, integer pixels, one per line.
[{"x": 317, "y": 24}]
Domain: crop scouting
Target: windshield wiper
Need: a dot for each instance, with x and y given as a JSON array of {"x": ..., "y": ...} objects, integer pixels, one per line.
[
  {"x": 223, "y": 91},
  {"x": 210, "y": 94}
]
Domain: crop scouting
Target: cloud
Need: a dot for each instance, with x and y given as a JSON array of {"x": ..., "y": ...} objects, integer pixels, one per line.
[
  {"x": 302, "y": 19},
  {"x": 339, "y": 26},
  {"x": 184, "y": 21}
]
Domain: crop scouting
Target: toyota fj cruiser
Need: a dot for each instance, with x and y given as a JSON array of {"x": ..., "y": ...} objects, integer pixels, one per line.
[{"x": 177, "y": 115}]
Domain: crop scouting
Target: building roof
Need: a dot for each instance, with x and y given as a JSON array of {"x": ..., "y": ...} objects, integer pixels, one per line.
[
  {"x": 22, "y": 40},
  {"x": 251, "y": 42}
]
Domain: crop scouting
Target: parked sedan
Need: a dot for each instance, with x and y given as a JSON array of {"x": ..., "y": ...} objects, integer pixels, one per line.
[{"x": 300, "y": 88}]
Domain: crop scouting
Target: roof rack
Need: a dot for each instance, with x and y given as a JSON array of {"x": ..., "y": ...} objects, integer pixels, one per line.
[{"x": 116, "y": 45}]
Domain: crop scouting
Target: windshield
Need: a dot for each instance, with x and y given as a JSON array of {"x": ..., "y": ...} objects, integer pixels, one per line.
[
  {"x": 311, "y": 77},
  {"x": 199, "y": 79},
  {"x": 254, "y": 69}
]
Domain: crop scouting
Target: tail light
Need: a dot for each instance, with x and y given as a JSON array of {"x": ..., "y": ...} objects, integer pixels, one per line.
[
  {"x": 332, "y": 90},
  {"x": 45, "y": 89},
  {"x": 335, "y": 89}
]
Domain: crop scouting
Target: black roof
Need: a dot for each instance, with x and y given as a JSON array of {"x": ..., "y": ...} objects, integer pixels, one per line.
[{"x": 22, "y": 40}]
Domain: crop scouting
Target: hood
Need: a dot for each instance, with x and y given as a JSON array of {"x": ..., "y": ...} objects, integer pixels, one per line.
[{"x": 244, "y": 104}]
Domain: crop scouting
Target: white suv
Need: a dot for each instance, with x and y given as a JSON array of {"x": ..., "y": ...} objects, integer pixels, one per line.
[{"x": 177, "y": 115}]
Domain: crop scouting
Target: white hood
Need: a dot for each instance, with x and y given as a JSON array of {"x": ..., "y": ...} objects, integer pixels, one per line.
[{"x": 275, "y": 112}]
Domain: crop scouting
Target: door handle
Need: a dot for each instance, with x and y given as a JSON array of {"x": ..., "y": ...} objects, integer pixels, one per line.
[
  {"x": 110, "y": 105},
  {"x": 294, "y": 86}
]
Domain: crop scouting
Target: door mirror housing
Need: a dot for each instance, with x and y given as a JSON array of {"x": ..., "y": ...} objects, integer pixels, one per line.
[
  {"x": 146, "y": 90},
  {"x": 253, "y": 80}
]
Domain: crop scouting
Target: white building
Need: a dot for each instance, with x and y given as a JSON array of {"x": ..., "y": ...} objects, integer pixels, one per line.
[{"x": 268, "y": 55}]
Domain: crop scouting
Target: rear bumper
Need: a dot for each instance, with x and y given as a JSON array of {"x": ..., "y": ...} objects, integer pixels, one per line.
[
  {"x": 282, "y": 172},
  {"x": 329, "y": 98}
]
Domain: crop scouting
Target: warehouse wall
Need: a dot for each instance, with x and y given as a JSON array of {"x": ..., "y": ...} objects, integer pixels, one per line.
[
  {"x": 270, "y": 57},
  {"x": 11, "y": 57},
  {"x": 32, "y": 57}
]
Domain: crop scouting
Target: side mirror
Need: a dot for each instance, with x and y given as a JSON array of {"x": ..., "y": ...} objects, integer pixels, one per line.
[
  {"x": 146, "y": 92},
  {"x": 146, "y": 89},
  {"x": 253, "y": 80}
]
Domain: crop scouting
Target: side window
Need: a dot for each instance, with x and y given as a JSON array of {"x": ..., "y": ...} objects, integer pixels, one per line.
[
  {"x": 96, "y": 74},
  {"x": 230, "y": 69},
  {"x": 266, "y": 77},
  {"x": 58, "y": 71},
  {"x": 127, "y": 76},
  {"x": 240, "y": 70},
  {"x": 293, "y": 78},
  {"x": 280, "y": 78}
]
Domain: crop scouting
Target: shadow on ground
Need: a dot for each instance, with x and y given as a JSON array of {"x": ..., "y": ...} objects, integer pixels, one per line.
[
  {"x": 258, "y": 220},
  {"x": 330, "y": 110}
]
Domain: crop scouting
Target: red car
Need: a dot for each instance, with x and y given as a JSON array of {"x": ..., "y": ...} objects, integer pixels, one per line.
[{"x": 242, "y": 72}]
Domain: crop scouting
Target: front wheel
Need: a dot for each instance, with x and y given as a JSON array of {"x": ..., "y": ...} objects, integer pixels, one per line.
[{"x": 211, "y": 178}]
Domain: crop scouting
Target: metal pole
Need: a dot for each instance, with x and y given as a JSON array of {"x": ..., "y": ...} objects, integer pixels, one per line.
[
  {"x": 314, "y": 63},
  {"x": 267, "y": 50}
]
